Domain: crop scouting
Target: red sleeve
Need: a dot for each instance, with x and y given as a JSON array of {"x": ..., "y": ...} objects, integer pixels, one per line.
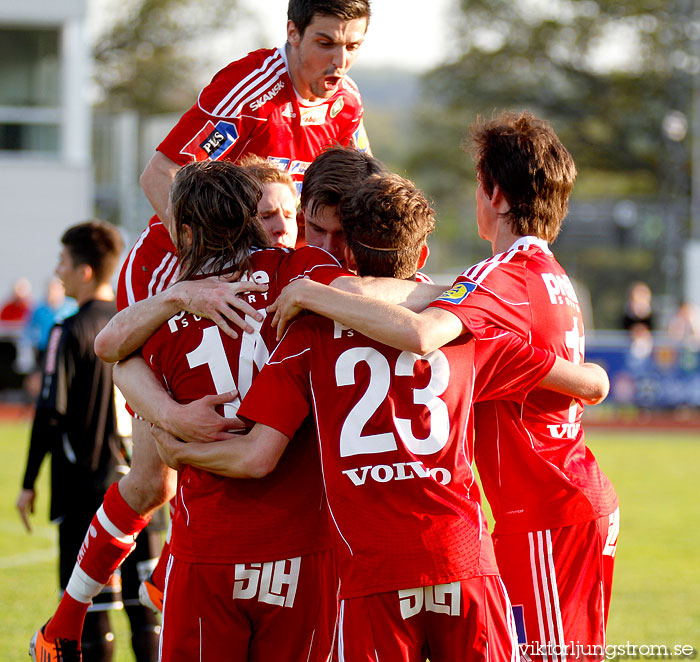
[
  {"x": 482, "y": 306},
  {"x": 508, "y": 368},
  {"x": 280, "y": 395}
]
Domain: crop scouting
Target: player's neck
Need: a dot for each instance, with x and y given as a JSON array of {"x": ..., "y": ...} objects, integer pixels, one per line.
[
  {"x": 504, "y": 238},
  {"x": 101, "y": 292}
]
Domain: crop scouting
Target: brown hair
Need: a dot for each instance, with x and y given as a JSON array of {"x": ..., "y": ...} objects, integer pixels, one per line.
[
  {"x": 386, "y": 222},
  {"x": 302, "y": 12},
  {"x": 335, "y": 172},
  {"x": 523, "y": 156},
  {"x": 97, "y": 244},
  {"x": 218, "y": 201}
]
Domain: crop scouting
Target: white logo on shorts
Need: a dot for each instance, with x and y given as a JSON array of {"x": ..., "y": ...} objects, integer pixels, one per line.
[
  {"x": 267, "y": 581},
  {"x": 440, "y": 599}
]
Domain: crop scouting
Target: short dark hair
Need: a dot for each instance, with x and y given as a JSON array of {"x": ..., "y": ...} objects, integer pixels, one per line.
[
  {"x": 302, "y": 12},
  {"x": 523, "y": 156},
  {"x": 218, "y": 200},
  {"x": 335, "y": 172},
  {"x": 97, "y": 244},
  {"x": 386, "y": 222}
]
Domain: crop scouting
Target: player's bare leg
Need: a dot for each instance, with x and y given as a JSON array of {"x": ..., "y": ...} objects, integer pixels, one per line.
[
  {"x": 149, "y": 483},
  {"x": 111, "y": 536}
]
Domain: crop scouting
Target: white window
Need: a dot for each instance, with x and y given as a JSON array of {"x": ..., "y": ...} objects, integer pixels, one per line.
[{"x": 30, "y": 92}]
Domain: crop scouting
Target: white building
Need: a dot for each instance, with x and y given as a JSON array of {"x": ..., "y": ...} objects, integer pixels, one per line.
[{"x": 45, "y": 128}]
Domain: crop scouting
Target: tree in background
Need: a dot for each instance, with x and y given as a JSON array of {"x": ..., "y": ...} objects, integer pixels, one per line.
[
  {"x": 614, "y": 77},
  {"x": 605, "y": 72},
  {"x": 152, "y": 56}
]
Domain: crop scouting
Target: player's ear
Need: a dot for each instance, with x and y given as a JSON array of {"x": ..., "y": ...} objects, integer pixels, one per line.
[
  {"x": 423, "y": 257},
  {"x": 293, "y": 36},
  {"x": 187, "y": 233},
  {"x": 350, "y": 259},
  {"x": 498, "y": 200},
  {"x": 86, "y": 273}
]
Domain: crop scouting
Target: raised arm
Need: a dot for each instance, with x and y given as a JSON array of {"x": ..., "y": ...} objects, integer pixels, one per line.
[
  {"x": 196, "y": 421},
  {"x": 588, "y": 381},
  {"x": 214, "y": 298},
  {"x": 393, "y": 325},
  {"x": 253, "y": 455},
  {"x": 156, "y": 180}
]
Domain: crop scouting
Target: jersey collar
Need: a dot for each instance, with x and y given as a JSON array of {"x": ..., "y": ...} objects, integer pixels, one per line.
[{"x": 528, "y": 241}]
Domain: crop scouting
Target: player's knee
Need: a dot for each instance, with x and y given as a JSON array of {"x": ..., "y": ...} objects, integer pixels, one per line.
[{"x": 144, "y": 492}]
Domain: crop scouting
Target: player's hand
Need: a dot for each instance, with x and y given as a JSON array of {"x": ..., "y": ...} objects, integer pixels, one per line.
[
  {"x": 288, "y": 304},
  {"x": 200, "y": 421},
  {"x": 25, "y": 506},
  {"x": 220, "y": 300},
  {"x": 168, "y": 447}
]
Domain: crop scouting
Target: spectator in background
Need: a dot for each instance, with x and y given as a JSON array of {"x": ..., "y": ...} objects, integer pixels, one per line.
[
  {"x": 638, "y": 320},
  {"x": 31, "y": 347},
  {"x": 75, "y": 422},
  {"x": 684, "y": 325},
  {"x": 14, "y": 312},
  {"x": 638, "y": 307},
  {"x": 53, "y": 309},
  {"x": 18, "y": 307}
]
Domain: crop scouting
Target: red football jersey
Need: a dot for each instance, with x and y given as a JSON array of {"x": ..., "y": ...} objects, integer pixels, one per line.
[
  {"x": 222, "y": 520},
  {"x": 251, "y": 107},
  {"x": 150, "y": 266},
  {"x": 536, "y": 470},
  {"x": 394, "y": 431}
]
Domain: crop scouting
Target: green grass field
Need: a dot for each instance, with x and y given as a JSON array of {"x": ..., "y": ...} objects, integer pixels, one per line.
[
  {"x": 656, "y": 597},
  {"x": 29, "y": 563}
]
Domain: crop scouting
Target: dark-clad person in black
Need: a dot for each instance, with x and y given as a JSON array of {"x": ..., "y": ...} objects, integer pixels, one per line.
[{"x": 76, "y": 423}]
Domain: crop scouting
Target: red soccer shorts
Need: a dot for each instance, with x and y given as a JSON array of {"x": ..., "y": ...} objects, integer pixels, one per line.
[
  {"x": 465, "y": 621},
  {"x": 559, "y": 582},
  {"x": 249, "y": 612}
]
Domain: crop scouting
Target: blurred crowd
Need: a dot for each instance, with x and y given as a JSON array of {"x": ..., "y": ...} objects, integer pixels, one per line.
[
  {"x": 639, "y": 320},
  {"x": 25, "y": 325}
]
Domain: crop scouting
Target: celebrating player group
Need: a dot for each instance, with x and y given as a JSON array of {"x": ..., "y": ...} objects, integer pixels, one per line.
[{"x": 313, "y": 407}]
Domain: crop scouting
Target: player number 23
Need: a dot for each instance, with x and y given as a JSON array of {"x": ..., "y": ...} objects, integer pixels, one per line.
[{"x": 353, "y": 442}]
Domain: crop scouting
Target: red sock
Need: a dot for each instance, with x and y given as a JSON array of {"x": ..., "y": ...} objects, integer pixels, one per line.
[{"x": 109, "y": 540}]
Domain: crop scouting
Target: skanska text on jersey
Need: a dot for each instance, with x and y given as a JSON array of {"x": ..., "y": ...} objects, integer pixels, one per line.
[{"x": 268, "y": 96}]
